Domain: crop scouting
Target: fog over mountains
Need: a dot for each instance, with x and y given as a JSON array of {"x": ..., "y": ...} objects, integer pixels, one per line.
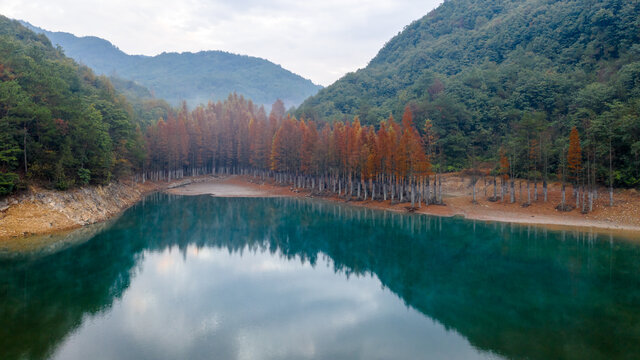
[{"x": 194, "y": 77}]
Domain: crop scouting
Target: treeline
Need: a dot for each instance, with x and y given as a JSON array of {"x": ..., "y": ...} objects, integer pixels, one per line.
[
  {"x": 396, "y": 161},
  {"x": 355, "y": 161},
  {"x": 60, "y": 124},
  {"x": 529, "y": 155}
]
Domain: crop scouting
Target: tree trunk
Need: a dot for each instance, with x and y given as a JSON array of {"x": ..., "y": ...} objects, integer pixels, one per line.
[
  {"x": 611, "y": 196},
  {"x": 24, "y": 148},
  {"x": 440, "y": 189},
  {"x": 427, "y": 192},
  {"x": 474, "y": 190},
  {"x": 513, "y": 191},
  {"x": 495, "y": 188},
  {"x": 520, "y": 183},
  {"x": 413, "y": 194},
  {"x": 610, "y": 174},
  {"x": 384, "y": 190},
  {"x": 544, "y": 190}
]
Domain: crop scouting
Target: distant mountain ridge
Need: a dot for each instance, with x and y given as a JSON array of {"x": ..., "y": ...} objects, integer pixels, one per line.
[{"x": 194, "y": 77}]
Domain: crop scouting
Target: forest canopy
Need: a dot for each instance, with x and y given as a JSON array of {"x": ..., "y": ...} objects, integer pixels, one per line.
[
  {"x": 59, "y": 122},
  {"x": 497, "y": 73}
]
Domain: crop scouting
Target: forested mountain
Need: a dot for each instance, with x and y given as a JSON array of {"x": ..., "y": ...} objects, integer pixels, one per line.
[
  {"x": 59, "y": 122},
  {"x": 194, "y": 77},
  {"x": 503, "y": 73}
]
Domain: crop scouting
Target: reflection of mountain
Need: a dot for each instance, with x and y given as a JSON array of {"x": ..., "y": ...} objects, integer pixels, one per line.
[{"x": 517, "y": 291}]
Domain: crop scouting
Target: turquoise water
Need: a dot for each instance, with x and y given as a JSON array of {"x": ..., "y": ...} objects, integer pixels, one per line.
[{"x": 214, "y": 278}]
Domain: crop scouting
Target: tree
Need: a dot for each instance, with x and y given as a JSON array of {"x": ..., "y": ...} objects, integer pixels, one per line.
[
  {"x": 574, "y": 159},
  {"x": 504, "y": 171}
]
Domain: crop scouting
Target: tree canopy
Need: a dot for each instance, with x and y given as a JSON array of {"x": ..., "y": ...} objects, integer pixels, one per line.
[
  {"x": 481, "y": 69},
  {"x": 59, "y": 122}
]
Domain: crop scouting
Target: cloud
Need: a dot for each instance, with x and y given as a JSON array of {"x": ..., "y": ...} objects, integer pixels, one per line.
[{"x": 320, "y": 40}]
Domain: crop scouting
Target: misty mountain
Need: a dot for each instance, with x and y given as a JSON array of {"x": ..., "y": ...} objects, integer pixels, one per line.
[{"x": 194, "y": 77}]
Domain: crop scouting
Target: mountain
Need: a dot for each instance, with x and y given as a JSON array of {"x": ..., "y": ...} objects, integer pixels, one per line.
[
  {"x": 194, "y": 77},
  {"x": 60, "y": 124},
  {"x": 481, "y": 69},
  {"x": 467, "y": 44}
]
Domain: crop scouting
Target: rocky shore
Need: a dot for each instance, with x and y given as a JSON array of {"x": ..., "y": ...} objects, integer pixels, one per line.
[{"x": 41, "y": 211}]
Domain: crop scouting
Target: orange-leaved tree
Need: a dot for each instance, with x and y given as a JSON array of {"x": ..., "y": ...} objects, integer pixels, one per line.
[{"x": 574, "y": 156}]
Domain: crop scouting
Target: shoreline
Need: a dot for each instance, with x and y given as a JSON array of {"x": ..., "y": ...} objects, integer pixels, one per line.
[
  {"x": 49, "y": 212},
  {"x": 457, "y": 205},
  {"x": 43, "y": 212}
]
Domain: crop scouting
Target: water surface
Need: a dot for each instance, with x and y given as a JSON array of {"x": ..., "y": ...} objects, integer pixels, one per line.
[{"x": 228, "y": 278}]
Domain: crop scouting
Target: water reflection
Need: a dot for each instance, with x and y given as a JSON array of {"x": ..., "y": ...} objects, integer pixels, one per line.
[{"x": 508, "y": 290}]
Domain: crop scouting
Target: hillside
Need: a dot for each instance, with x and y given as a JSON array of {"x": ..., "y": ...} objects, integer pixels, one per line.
[
  {"x": 60, "y": 124},
  {"x": 481, "y": 69},
  {"x": 195, "y": 77}
]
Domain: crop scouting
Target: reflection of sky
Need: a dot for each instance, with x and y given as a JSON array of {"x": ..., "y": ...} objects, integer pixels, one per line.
[{"x": 212, "y": 304}]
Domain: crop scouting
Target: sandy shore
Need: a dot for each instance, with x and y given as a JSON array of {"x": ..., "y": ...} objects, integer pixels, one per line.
[
  {"x": 228, "y": 187},
  {"x": 457, "y": 204}
]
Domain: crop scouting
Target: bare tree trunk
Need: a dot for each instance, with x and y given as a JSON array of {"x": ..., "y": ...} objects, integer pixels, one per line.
[
  {"x": 427, "y": 192},
  {"x": 610, "y": 174},
  {"x": 520, "y": 183},
  {"x": 544, "y": 190},
  {"x": 475, "y": 181},
  {"x": 384, "y": 189},
  {"x": 413, "y": 194},
  {"x": 513, "y": 191},
  {"x": 440, "y": 189},
  {"x": 495, "y": 189},
  {"x": 373, "y": 189}
]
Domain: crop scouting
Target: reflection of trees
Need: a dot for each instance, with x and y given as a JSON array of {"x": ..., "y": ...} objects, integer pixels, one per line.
[{"x": 517, "y": 291}]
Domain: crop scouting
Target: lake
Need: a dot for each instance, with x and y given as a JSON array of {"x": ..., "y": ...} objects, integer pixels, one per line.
[{"x": 178, "y": 277}]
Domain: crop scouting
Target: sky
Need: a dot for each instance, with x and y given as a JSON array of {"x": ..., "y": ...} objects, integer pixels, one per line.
[{"x": 319, "y": 40}]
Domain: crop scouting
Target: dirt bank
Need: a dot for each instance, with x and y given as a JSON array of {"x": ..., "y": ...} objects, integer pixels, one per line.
[{"x": 41, "y": 211}]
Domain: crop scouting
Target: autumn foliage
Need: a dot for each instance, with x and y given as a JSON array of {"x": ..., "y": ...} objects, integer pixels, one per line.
[
  {"x": 574, "y": 156},
  {"x": 236, "y": 136}
]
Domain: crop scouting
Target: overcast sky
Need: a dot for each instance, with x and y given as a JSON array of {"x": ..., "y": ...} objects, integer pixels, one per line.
[{"x": 320, "y": 40}]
